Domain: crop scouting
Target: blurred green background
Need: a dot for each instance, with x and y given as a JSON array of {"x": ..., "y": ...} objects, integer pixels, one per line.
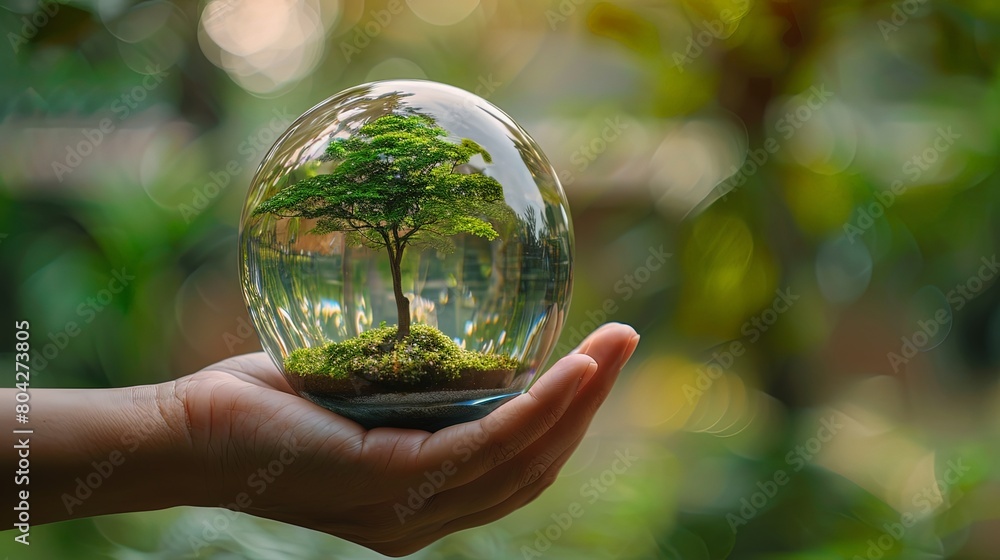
[{"x": 818, "y": 371}]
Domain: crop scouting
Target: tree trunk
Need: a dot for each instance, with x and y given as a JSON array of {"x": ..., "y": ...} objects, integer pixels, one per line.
[
  {"x": 346, "y": 272},
  {"x": 402, "y": 304}
]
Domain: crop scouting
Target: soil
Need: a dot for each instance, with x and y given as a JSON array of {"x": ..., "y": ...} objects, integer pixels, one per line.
[{"x": 356, "y": 386}]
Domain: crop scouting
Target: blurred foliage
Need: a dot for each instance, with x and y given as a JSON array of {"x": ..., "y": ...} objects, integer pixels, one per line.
[{"x": 821, "y": 174}]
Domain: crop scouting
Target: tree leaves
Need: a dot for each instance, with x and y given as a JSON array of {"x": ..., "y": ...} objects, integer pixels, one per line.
[{"x": 395, "y": 183}]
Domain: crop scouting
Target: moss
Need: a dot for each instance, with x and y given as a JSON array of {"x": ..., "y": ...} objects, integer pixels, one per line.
[{"x": 425, "y": 358}]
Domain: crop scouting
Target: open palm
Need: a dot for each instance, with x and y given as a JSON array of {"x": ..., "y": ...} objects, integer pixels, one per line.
[{"x": 273, "y": 454}]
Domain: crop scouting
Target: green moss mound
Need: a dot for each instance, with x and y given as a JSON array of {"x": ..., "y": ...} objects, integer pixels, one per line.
[{"x": 427, "y": 357}]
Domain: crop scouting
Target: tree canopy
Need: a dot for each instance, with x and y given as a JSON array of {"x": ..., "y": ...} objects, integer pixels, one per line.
[{"x": 396, "y": 186}]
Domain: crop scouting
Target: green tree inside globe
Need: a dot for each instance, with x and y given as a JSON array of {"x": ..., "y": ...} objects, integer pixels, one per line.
[
  {"x": 395, "y": 187},
  {"x": 399, "y": 183}
]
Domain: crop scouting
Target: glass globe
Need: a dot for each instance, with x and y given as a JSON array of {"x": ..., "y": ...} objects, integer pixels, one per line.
[{"x": 406, "y": 255}]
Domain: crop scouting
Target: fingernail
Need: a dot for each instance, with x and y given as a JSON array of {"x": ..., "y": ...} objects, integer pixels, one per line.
[
  {"x": 632, "y": 345},
  {"x": 587, "y": 374}
]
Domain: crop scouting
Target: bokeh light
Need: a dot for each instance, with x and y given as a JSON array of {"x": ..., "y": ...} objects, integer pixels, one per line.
[{"x": 263, "y": 45}]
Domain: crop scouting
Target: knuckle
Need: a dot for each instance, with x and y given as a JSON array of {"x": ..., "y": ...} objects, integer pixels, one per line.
[
  {"x": 551, "y": 416},
  {"x": 533, "y": 473},
  {"x": 499, "y": 452}
]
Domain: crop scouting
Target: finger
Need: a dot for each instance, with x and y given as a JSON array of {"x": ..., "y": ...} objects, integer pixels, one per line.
[
  {"x": 513, "y": 503},
  {"x": 487, "y": 499},
  {"x": 516, "y": 501},
  {"x": 596, "y": 334},
  {"x": 490, "y": 492},
  {"x": 613, "y": 350},
  {"x": 474, "y": 448},
  {"x": 594, "y": 347},
  {"x": 612, "y": 346}
]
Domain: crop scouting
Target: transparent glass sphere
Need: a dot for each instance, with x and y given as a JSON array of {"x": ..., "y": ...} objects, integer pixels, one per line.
[{"x": 406, "y": 255}]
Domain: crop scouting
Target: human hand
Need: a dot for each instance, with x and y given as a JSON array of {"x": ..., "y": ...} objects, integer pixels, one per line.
[{"x": 270, "y": 453}]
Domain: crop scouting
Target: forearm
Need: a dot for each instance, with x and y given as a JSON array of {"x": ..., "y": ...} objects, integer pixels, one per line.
[{"x": 100, "y": 451}]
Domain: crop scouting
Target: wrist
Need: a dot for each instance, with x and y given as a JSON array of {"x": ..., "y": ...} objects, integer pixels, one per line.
[{"x": 106, "y": 451}]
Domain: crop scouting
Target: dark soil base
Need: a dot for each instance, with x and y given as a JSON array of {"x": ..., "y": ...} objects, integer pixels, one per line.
[
  {"x": 426, "y": 410},
  {"x": 357, "y": 386}
]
